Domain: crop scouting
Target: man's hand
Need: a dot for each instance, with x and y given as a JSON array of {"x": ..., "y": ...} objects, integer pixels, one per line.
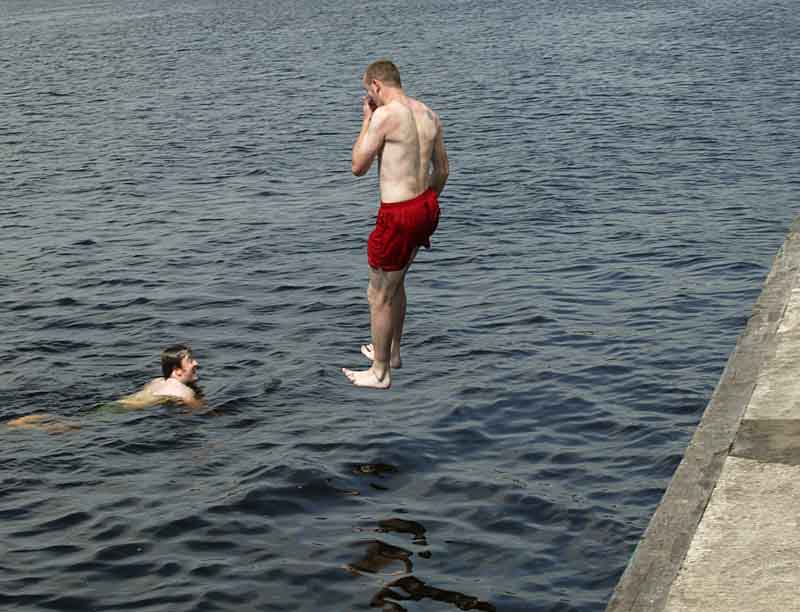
[
  {"x": 369, "y": 107},
  {"x": 370, "y": 140}
]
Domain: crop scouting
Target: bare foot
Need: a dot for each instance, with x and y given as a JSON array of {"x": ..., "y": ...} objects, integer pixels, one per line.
[
  {"x": 369, "y": 352},
  {"x": 367, "y": 378}
]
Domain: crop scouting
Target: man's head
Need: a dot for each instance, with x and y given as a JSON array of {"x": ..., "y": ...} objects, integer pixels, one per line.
[
  {"x": 177, "y": 362},
  {"x": 379, "y": 77}
]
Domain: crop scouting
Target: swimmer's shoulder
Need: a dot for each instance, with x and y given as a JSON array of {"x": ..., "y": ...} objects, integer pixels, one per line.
[
  {"x": 172, "y": 388},
  {"x": 144, "y": 397},
  {"x": 153, "y": 385}
]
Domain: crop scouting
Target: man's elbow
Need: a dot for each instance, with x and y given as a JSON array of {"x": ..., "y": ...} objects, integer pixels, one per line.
[
  {"x": 439, "y": 178},
  {"x": 359, "y": 169},
  {"x": 440, "y": 163}
]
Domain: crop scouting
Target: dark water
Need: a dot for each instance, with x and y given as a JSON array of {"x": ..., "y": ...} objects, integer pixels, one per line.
[{"x": 622, "y": 174}]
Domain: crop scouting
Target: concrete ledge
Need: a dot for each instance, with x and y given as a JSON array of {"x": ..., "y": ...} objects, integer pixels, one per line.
[
  {"x": 743, "y": 557},
  {"x": 654, "y": 566}
]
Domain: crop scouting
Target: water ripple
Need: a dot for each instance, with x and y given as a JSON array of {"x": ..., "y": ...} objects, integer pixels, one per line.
[{"x": 622, "y": 174}]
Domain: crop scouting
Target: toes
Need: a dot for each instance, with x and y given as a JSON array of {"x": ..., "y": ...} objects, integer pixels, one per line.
[{"x": 366, "y": 378}]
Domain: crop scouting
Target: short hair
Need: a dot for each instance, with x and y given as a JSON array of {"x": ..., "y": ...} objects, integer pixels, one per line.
[
  {"x": 172, "y": 356},
  {"x": 383, "y": 70}
]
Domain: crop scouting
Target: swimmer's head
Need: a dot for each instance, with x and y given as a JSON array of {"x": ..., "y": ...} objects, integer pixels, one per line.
[
  {"x": 178, "y": 362},
  {"x": 378, "y": 75}
]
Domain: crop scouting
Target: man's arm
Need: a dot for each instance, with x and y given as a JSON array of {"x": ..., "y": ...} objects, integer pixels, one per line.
[
  {"x": 190, "y": 398},
  {"x": 441, "y": 165},
  {"x": 370, "y": 140},
  {"x": 186, "y": 396},
  {"x": 194, "y": 402}
]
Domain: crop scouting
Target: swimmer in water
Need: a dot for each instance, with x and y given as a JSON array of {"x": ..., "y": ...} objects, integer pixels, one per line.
[{"x": 179, "y": 384}]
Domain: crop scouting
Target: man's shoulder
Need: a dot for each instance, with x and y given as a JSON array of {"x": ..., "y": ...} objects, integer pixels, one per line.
[
  {"x": 393, "y": 109},
  {"x": 172, "y": 387},
  {"x": 420, "y": 107},
  {"x": 180, "y": 389},
  {"x": 153, "y": 384},
  {"x": 383, "y": 118}
]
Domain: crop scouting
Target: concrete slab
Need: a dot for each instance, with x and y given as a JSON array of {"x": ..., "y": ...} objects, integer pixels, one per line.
[
  {"x": 777, "y": 391},
  {"x": 791, "y": 316},
  {"x": 774, "y": 440},
  {"x": 744, "y": 556},
  {"x": 753, "y": 417}
]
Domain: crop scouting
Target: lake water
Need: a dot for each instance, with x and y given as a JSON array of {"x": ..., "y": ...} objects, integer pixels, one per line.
[{"x": 622, "y": 173}]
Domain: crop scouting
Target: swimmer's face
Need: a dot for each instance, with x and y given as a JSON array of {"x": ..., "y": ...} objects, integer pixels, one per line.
[{"x": 187, "y": 372}]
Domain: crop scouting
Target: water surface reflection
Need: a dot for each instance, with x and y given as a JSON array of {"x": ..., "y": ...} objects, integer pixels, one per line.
[{"x": 380, "y": 557}]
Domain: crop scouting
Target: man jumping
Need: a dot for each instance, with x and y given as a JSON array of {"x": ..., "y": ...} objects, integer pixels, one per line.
[{"x": 406, "y": 137}]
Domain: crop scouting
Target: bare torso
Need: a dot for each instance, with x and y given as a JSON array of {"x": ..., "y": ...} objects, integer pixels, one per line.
[
  {"x": 156, "y": 391},
  {"x": 405, "y": 160}
]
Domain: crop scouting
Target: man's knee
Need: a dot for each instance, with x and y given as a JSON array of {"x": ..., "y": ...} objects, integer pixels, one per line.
[{"x": 377, "y": 296}]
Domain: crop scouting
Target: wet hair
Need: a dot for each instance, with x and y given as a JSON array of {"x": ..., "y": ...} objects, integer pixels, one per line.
[
  {"x": 383, "y": 70},
  {"x": 172, "y": 356}
]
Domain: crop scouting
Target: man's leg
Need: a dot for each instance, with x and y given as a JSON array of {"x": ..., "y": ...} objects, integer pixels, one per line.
[
  {"x": 398, "y": 319},
  {"x": 44, "y": 421},
  {"x": 381, "y": 293}
]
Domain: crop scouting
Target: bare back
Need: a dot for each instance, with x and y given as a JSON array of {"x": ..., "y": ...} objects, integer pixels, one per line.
[
  {"x": 408, "y": 150},
  {"x": 157, "y": 391}
]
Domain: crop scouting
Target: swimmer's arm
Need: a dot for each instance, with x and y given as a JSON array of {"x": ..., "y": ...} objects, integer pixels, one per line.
[
  {"x": 370, "y": 140},
  {"x": 194, "y": 402},
  {"x": 141, "y": 399},
  {"x": 441, "y": 165},
  {"x": 189, "y": 398}
]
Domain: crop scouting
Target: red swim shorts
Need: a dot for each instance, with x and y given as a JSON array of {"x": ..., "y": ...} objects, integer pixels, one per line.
[{"x": 401, "y": 227}]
